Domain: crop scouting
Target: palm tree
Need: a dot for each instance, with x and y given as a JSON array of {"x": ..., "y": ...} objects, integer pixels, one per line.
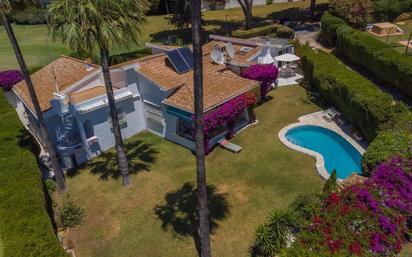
[
  {"x": 247, "y": 7},
  {"x": 204, "y": 236},
  {"x": 5, "y": 10},
  {"x": 89, "y": 25}
]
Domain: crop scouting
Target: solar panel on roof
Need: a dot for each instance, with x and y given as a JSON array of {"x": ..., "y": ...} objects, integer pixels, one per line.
[
  {"x": 177, "y": 61},
  {"x": 187, "y": 55}
]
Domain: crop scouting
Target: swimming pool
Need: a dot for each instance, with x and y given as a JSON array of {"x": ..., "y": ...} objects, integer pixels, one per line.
[{"x": 337, "y": 152}]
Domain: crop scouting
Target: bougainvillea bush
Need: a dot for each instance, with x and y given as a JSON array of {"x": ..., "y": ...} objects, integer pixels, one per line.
[
  {"x": 368, "y": 219},
  {"x": 225, "y": 116},
  {"x": 266, "y": 74},
  {"x": 9, "y": 78}
]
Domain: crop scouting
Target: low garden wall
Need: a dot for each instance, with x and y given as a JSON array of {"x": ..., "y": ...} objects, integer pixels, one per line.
[{"x": 25, "y": 227}]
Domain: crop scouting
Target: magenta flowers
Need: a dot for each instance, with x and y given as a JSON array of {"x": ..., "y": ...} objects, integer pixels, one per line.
[
  {"x": 225, "y": 116},
  {"x": 368, "y": 219},
  {"x": 9, "y": 78},
  {"x": 266, "y": 74}
]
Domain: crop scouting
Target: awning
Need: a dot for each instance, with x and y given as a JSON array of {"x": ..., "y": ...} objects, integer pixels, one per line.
[{"x": 287, "y": 58}]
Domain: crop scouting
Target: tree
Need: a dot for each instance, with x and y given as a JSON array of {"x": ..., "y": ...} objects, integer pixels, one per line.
[
  {"x": 247, "y": 6},
  {"x": 199, "y": 134},
  {"x": 89, "y": 25},
  {"x": 355, "y": 12},
  {"x": 312, "y": 9},
  {"x": 266, "y": 74},
  {"x": 274, "y": 235},
  {"x": 5, "y": 11},
  {"x": 181, "y": 14},
  {"x": 331, "y": 185}
]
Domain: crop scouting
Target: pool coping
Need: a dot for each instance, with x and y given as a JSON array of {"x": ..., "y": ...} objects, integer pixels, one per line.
[{"x": 320, "y": 161}]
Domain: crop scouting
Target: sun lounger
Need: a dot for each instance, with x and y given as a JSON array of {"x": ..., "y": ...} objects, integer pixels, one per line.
[
  {"x": 330, "y": 114},
  {"x": 229, "y": 146}
]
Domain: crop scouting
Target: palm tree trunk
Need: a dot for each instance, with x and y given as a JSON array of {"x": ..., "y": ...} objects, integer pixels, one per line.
[
  {"x": 61, "y": 185},
  {"x": 121, "y": 154},
  {"x": 247, "y": 6},
  {"x": 199, "y": 135},
  {"x": 312, "y": 9}
]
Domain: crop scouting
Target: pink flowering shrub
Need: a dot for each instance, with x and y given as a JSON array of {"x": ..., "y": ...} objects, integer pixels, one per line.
[
  {"x": 9, "y": 78},
  {"x": 225, "y": 116},
  {"x": 266, "y": 74},
  {"x": 369, "y": 219}
]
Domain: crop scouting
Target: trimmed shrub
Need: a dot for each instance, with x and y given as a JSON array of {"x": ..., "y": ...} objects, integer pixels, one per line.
[
  {"x": 285, "y": 32},
  {"x": 30, "y": 17},
  {"x": 384, "y": 147},
  {"x": 357, "y": 98},
  {"x": 281, "y": 31},
  {"x": 384, "y": 62},
  {"x": 26, "y": 229},
  {"x": 256, "y": 32},
  {"x": 330, "y": 24},
  {"x": 372, "y": 54}
]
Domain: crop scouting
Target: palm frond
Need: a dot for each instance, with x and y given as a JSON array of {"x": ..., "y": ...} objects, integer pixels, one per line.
[{"x": 89, "y": 24}]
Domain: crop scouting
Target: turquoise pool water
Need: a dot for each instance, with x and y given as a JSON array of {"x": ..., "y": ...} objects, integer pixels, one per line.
[{"x": 337, "y": 152}]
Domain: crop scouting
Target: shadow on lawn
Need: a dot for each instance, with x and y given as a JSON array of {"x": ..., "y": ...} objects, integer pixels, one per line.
[
  {"x": 180, "y": 211},
  {"x": 140, "y": 156}
]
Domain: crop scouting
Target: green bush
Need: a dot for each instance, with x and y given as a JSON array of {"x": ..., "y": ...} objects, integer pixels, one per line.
[
  {"x": 30, "y": 17},
  {"x": 70, "y": 215},
  {"x": 25, "y": 227},
  {"x": 386, "y": 145},
  {"x": 285, "y": 32},
  {"x": 50, "y": 186},
  {"x": 372, "y": 54},
  {"x": 357, "y": 13},
  {"x": 272, "y": 29},
  {"x": 357, "y": 98},
  {"x": 330, "y": 24},
  {"x": 273, "y": 236},
  {"x": 124, "y": 57},
  {"x": 256, "y": 32}
]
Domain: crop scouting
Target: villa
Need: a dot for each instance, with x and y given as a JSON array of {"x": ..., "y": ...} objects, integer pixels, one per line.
[{"x": 154, "y": 93}]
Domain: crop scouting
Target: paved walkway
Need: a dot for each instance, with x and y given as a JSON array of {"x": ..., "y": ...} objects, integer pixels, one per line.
[{"x": 309, "y": 33}]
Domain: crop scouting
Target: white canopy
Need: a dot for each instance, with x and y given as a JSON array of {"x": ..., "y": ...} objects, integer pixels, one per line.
[{"x": 287, "y": 58}]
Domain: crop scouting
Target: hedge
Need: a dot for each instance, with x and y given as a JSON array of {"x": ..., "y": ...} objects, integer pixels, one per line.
[
  {"x": 280, "y": 31},
  {"x": 25, "y": 226},
  {"x": 30, "y": 17},
  {"x": 329, "y": 25},
  {"x": 369, "y": 52},
  {"x": 357, "y": 98}
]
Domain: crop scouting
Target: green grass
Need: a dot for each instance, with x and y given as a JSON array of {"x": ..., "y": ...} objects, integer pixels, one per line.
[
  {"x": 39, "y": 49},
  {"x": 393, "y": 40},
  {"x": 123, "y": 221},
  {"x": 407, "y": 251}
]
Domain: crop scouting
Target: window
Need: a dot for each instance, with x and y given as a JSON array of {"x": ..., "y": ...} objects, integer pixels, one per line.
[
  {"x": 184, "y": 129},
  {"x": 121, "y": 116}
]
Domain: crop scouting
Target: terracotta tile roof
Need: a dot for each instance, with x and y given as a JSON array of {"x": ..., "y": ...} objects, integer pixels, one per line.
[
  {"x": 81, "y": 96},
  {"x": 65, "y": 71},
  {"x": 220, "y": 84}
]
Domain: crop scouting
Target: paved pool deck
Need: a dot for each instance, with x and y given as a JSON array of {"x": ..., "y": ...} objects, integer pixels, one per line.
[{"x": 317, "y": 119}]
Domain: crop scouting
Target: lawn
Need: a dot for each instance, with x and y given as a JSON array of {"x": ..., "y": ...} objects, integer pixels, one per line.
[
  {"x": 393, "y": 40},
  {"x": 39, "y": 49},
  {"x": 154, "y": 217}
]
